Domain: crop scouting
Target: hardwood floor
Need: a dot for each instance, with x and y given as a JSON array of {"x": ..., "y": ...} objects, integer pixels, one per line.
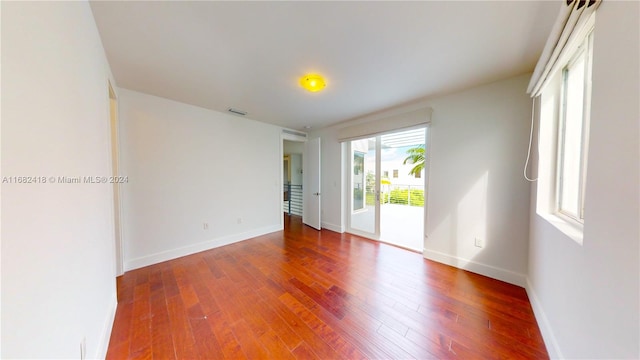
[{"x": 304, "y": 294}]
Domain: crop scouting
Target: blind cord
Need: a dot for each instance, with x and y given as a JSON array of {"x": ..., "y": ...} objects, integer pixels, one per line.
[{"x": 526, "y": 164}]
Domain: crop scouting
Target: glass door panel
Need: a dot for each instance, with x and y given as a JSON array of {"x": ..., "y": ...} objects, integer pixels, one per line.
[
  {"x": 363, "y": 185},
  {"x": 387, "y": 187},
  {"x": 402, "y": 191}
]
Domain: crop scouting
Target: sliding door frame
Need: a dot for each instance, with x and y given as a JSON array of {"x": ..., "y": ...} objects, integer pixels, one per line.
[
  {"x": 349, "y": 183},
  {"x": 375, "y": 235}
]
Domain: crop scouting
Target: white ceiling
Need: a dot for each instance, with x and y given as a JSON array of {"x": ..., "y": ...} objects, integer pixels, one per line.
[{"x": 374, "y": 55}]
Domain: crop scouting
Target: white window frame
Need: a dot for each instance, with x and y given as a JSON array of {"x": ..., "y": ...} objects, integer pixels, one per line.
[{"x": 585, "y": 49}]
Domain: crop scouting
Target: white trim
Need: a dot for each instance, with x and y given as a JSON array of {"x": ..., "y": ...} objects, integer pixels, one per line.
[
  {"x": 583, "y": 51},
  {"x": 380, "y": 126},
  {"x": 103, "y": 344},
  {"x": 377, "y": 187},
  {"x": 333, "y": 227},
  {"x": 286, "y": 137},
  {"x": 384, "y": 114},
  {"x": 567, "y": 226},
  {"x": 427, "y": 175},
  {"x": 118, "y": 231},
  {"x": 483, "y": 269},
  {"x": 286, "y": 134},
  {"x": 572, "y": 24},
  {"x": 199, "y": 247},
  {"x": 376, "y": 235},
  {"x": 281, "y": 165},
  {"x": 363, "y": 234},
  {"x": 543, "y": 323}
]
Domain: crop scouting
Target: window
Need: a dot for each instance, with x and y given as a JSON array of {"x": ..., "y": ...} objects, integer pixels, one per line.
[
  {"x": 395, "y": 174},
  {"x": 385, "y": 174},
  {"x": 573, "y": 133},
  {"x": 561, "y": 88},
  {"x": 418, "y": 175}
]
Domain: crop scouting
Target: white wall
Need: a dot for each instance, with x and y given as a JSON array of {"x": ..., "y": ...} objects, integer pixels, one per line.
[
  {"x": 586, "y": 297},
  {"x": 478, "y": 147},
  {"x": 188, "y": 166},
  {"x": 476, "y": 188},
  {"x": 293, "y": 147},
  {"x": 58, "y": 260}
]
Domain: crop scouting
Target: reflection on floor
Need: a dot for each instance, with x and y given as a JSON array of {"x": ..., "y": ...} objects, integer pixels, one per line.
[
  {"x": 307, "y": 294},
  {"x": 400, "y": 225}
]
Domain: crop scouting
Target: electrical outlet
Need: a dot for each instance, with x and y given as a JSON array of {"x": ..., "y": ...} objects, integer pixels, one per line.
[
  {"x": 83, "y": 349},
  {"x": 479, "y": 242},
  {"x": 239, "y": 220},
  {"x": 205, "y": 226}
]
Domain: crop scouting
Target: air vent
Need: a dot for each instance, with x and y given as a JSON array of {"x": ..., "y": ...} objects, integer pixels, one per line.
[
  {"x": 293, "y": 132},
  {"x": 237, "y": 112}
]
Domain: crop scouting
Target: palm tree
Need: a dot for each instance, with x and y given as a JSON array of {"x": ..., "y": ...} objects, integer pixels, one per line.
[{"x": 415, "y": 156}]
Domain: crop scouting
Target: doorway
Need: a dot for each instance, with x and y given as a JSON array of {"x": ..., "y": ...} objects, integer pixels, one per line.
[
  {"x": 117, "y": 223},
  {"x": 292, "y": 178},
  {"x": 309, "y": 171},
  {"x": 387, "y": 188}
]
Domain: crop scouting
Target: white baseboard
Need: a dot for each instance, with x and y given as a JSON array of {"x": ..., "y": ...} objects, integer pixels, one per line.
[
  {"x": 483, "y": 269},
  {"x": 543, "y": 323},
  {"x": 332, "y": 227},
  {"x": 103, "y": 345},
  {"x": 195, "y": 248}
]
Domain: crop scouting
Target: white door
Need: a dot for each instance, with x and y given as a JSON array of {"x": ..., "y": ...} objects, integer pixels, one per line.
[{"x": 311, "y": 168}]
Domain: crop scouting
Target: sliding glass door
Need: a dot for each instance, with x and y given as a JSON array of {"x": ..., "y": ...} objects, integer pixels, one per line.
[
  {"x": 387, "y": 187},
  {"x": 363, "y": 186}
]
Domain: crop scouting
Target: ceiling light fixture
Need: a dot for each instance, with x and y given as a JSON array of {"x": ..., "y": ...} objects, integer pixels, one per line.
[{"x": 313, "y": 82}]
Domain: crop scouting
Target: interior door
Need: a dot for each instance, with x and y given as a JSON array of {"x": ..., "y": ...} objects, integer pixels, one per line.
[{"x": 312, "y": 195}]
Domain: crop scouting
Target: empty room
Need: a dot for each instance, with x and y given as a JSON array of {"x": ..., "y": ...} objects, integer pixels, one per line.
[{"x": 320, "y": 179}]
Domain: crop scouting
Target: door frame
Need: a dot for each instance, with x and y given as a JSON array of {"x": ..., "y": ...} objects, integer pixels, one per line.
[
  {"x": 375, "y": 235},
  {"x": 114, "y": 151},
  {"x": 348, "y": 185},
  {"x": 287, "y": 136}
]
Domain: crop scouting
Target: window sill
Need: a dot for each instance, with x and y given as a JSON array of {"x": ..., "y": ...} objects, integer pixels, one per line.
[{"x": 571, "y": 229}]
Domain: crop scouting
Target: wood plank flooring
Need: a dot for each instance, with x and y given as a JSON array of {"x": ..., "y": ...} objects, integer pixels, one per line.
[{"x": 304, "y": 294}]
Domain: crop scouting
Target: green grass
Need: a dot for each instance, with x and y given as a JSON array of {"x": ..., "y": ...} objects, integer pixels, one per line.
[{"x": 370, "y": 199}]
